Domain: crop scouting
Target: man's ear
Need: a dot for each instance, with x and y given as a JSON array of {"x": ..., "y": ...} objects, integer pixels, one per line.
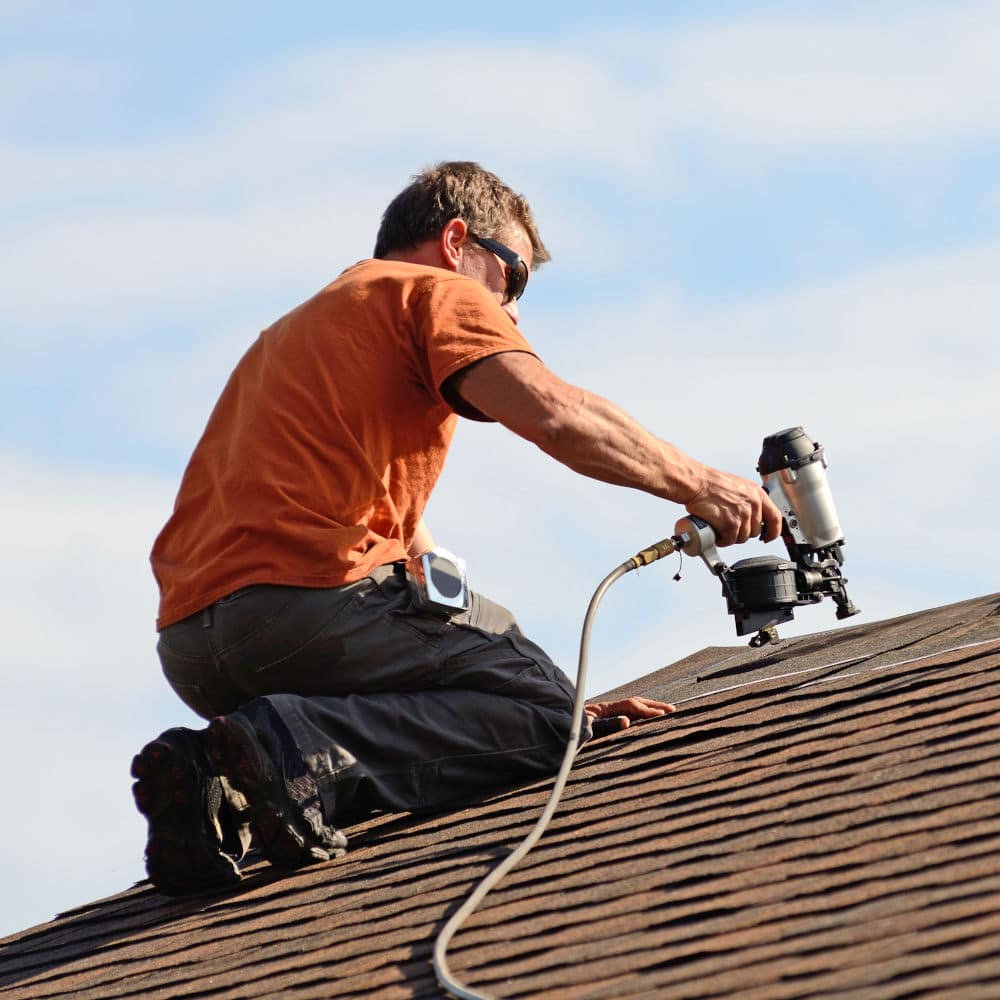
[{"x": 452, "y": 243}]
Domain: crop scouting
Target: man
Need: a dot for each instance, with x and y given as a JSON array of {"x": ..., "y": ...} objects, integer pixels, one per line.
[{"x": 286, "y": 616}]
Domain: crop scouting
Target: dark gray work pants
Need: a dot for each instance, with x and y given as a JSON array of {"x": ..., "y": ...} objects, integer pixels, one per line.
[{"x": 390, "y": 708}]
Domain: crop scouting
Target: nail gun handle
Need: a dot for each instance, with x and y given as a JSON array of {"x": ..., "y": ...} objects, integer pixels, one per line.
[{"x": 696, "y": 537}]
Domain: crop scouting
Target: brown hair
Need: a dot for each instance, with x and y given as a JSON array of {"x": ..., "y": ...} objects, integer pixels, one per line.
[{"x": 458, "y": 189}]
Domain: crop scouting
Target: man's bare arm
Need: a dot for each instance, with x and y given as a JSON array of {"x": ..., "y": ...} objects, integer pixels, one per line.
[{"x": 596, "y": 438}]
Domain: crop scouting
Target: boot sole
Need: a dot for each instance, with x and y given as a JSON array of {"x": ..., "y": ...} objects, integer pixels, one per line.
[{"x": 181, "y": 856}]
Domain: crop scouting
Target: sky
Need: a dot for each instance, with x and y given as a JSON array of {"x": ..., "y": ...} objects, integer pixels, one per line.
[{"x": 761, "y": 215}]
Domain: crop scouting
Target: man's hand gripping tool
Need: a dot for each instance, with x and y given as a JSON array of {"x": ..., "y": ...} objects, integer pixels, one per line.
[{"x": 761, "y": 592}]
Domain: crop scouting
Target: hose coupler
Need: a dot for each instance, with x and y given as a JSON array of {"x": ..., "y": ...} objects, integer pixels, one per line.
[{"x": 653, "y": 552}]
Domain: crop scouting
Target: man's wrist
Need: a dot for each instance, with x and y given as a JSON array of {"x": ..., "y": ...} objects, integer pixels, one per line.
[{"x": 689, "y": 477}]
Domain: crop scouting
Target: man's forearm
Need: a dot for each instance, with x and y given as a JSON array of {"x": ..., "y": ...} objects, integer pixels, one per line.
[
  {"x": 584, "y": 431},
  {"x": 598, "y": 439}
]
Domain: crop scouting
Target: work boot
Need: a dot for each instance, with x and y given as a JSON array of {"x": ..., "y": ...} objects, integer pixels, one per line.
[
  {"x": 254, "y": 750},
  {"x": 196, "y": 831}
]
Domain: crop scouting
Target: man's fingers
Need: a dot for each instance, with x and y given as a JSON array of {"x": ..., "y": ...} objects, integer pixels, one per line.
[
  {"x": 608, "y": 717},
  {"x": 630, "y": 708},
  {"x": 734, "y": 532},
  {"x": 746, "y": 528},
  {"x": 737, "y": 510},
  {"x": 653, "y": 709},
  {"x": 644, "y": 708},
  {"x": 771, "y": 519}
]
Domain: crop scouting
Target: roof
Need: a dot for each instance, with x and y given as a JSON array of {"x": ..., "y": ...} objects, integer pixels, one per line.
[{"x": 820, "y": 818}]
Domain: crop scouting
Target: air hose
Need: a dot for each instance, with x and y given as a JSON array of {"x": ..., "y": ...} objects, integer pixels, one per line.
[{"x": 440, "y": 960}]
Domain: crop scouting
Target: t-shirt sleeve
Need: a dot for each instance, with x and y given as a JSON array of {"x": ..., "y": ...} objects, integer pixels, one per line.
[{"x": 459, "y": 323}]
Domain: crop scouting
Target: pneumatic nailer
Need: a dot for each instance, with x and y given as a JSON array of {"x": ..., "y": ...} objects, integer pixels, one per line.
[{"x": 762, "y": 591}]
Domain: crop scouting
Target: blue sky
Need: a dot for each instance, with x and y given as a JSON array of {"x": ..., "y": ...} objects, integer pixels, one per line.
[{"x": 761, "y": 215}]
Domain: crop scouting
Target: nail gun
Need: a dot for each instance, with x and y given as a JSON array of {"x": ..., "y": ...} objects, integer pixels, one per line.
[{"x": 761, "y": 591}]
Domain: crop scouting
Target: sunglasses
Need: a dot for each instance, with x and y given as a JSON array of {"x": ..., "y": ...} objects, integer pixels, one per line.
[{"x": 517, "y": 269}]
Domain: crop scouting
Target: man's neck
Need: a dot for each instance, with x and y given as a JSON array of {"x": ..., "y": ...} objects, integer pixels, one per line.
[{"x": 427, "y": 253}]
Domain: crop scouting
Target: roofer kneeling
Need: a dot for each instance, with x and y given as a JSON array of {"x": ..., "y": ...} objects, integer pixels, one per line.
[{"x": 286, "y": 617}]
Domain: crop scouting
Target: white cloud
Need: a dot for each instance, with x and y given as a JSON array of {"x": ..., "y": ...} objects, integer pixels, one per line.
[
  {"x": 76, "y": 578},
  {"x": 30, "y": 79},
  {"x": 916, "y": 331},
  {"x": 108, "y": 271},
  {"x": 67, "y": 768},
  {"x": 170, "y": 394},
  {"x": 872, "y": 74},
  {"x": 80, "y": 685},
  {"x": 296, "y": 164}
]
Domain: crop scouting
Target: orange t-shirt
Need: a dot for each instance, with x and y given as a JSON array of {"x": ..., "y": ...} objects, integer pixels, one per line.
[{"x": 322, "y": 451}]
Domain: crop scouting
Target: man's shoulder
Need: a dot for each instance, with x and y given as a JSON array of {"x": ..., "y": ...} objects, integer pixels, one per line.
[
  {"x": 415, "y": 278},
  {"x": 401, "y": 287},
  {"x": 427, "y": 294},
  {"x": 374, "y": 271},
  {"x": 362, "y": 285}
]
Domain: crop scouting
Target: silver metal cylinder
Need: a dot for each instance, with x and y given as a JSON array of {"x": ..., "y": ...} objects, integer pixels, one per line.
[{"x": 805, "y": 500}]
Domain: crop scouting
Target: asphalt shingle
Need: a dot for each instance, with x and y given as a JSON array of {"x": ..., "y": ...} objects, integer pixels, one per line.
[{"x": 820, "y": 818}]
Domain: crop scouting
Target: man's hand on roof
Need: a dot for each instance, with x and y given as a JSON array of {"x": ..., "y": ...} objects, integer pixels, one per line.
[
  {"x": 624, "y": 713},
  {"x": 736, "y": 508}
]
